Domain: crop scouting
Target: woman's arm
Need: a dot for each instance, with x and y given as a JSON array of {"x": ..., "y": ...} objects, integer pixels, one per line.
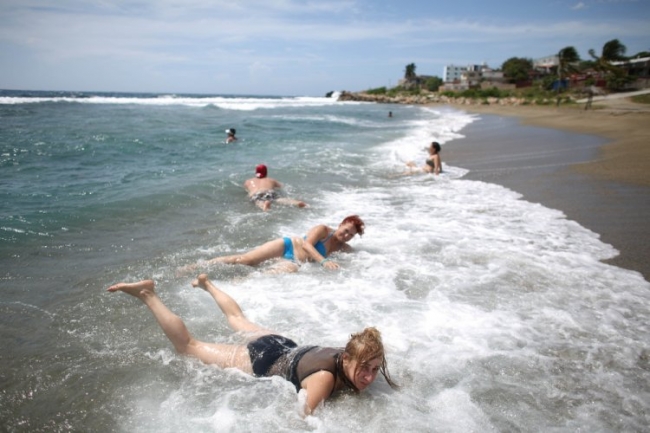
[
  {"x": 314, "y": 235},
  {"x": 318, "y": 386},
  {"x": 437, "y": 164}
]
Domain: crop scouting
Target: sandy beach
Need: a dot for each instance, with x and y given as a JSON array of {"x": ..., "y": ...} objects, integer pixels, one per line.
[{"x": 606, "y": 188}]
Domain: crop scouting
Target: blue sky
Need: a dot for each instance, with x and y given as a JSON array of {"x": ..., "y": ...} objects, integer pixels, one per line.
[{"x": 289, "y": 47}]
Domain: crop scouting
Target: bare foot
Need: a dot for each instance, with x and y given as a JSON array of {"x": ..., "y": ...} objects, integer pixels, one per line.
[
  {"x": 139, "y": 289},
  {"x": 201, "y": 282}
]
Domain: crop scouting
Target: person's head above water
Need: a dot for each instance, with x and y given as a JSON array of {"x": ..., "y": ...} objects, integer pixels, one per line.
[
  {"x": 231, "y": 131},
  {"x": 260, "y": 171},
  {"x": 355, "y": 222},
  {"x": 434, "y": 147},
  {"x": 363, "y": 358}
]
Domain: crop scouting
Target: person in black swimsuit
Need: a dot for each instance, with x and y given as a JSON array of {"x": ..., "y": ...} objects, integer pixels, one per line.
[
  {"x": 320, "y": 371},
  {"x": 432, "y": 165}
]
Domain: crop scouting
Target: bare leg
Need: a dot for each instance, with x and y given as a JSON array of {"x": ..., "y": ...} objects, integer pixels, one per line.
[
  {"x": 283, "y": 267},
  {"x": 269, "y": 250},
  {"x": 223, "y": 355},
  {"x": 229, "y": 307},
  {"x": 264, "y": 205},
  {"x": 406, "y": 173},
  {"x": 291, "y": 202}
]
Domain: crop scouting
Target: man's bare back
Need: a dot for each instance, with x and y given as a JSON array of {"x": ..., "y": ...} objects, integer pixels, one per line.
[
  {"x": 255, "y": 185},
  {"x": 262, "y": 190}
]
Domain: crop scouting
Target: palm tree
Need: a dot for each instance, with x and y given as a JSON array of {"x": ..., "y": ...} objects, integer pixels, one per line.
[
  {"x": 612, "y": 51},
  {"x": 567, "y": 59},
  {"x": 409, "y": 74}
]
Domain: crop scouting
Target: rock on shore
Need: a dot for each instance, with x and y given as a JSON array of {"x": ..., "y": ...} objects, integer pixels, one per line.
[{"x": 432, "y": 98}]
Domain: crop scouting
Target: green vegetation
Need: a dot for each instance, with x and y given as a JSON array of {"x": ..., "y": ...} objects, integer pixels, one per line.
[
  {"x": 409, "y": 72},
  {"x": 517, "y": 69},
  {"x": 641, "y": 99},
  {"x": 433, "y": 84},
  {"x": 541, "y": 88},
  {"x": 568, "y": 58},
  {"x": 615, "y": 77},
  {"x": 377, "y": 91},
  {"x": 403, "y": 91}
]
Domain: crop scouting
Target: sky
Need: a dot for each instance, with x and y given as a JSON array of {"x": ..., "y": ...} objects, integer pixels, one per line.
[{"x": 289, "y": 47}]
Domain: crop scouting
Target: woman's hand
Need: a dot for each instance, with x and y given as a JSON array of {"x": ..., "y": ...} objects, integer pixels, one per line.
[{"x": 328, "y": 264}]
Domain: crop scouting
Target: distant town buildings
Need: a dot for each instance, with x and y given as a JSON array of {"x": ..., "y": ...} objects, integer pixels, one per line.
[
  {"x": 639, "y": 67},
  {"x": 452, "y": 73},
  {"x": 459, "y": 78},
  {"x": 546, "y": 64}
]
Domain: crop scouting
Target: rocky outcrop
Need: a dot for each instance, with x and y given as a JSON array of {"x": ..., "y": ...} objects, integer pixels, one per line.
[{"x": 435, "y": 98}]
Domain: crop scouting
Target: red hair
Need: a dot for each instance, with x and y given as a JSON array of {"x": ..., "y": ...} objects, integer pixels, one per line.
[{"x": 357, "y": 222}]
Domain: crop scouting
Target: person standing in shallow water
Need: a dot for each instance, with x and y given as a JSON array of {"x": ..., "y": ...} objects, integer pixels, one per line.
[
  {"x": 320, "y": 371},
  {"x": 262, "y": 190}
]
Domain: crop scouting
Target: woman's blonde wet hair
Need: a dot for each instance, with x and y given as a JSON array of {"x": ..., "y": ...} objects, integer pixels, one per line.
[{"x": 365, "y": 346}]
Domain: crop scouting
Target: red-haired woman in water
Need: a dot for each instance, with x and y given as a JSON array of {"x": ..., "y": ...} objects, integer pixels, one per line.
[{"x": 319, "y": 243}]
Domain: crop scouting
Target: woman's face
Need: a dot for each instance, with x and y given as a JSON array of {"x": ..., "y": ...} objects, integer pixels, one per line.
[
  {"x": 362, "y": 374},
  {"x": 345, "y": 232}
]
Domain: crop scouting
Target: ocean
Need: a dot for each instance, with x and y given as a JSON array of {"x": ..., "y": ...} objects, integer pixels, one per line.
[{"x": 497, "y": 313}]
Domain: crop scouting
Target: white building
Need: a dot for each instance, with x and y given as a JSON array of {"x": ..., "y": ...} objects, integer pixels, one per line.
[
  {"x": 453, "y": 73},
  {"x": 546, "y": 63}
]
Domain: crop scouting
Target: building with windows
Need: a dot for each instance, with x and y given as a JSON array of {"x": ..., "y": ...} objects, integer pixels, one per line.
[
  {"x": 453, "y": 73},
  {"x": 638, "y": 69},
  {"x": 459, "y": 78},
  {"x": 546, "y": 64}
]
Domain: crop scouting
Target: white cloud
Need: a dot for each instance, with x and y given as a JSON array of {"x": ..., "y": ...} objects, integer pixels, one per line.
[
  {"x": 579, "y": 6},
  {"x": 185, "y": 40}
]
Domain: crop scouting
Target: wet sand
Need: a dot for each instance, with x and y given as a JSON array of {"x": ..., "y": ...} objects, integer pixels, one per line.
[{"x": 592, "y": 165}]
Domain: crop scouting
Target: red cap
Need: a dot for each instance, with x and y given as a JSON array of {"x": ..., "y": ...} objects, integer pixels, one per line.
[{"x": 260, "y": 171}]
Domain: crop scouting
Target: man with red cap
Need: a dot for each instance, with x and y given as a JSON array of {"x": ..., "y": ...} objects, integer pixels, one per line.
[{"x": 262, "y": 190}]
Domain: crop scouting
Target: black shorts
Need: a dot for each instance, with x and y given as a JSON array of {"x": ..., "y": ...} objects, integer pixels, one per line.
[
  {"x": 266, "y": 350},
  {"x": 269, "y": 195}
]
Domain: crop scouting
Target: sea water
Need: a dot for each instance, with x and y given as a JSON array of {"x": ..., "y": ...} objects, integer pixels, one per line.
[{"x": 497, "y": 314}]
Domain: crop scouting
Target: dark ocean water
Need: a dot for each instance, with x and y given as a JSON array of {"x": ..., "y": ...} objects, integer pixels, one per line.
[{"x": 497, "y": 313}]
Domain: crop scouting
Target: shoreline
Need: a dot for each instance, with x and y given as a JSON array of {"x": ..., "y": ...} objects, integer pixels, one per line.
[
  {"x": 606, "y": 189},
  {"x": 625, "y": 124}
]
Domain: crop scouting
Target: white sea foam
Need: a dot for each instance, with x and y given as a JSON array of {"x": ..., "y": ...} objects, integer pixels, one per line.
[
  {"x": 442, "y": 126},
  {"x": 477, "y": 293},
  {"x": 228, "y": 103},
  {"x": 328, "y": 119},
  {"x": 482, "y": 298},
  {"x": 497, "y": 314}
]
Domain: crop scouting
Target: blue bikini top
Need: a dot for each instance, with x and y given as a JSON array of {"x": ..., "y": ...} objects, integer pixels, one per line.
[{"x": 320, "y": 245}]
